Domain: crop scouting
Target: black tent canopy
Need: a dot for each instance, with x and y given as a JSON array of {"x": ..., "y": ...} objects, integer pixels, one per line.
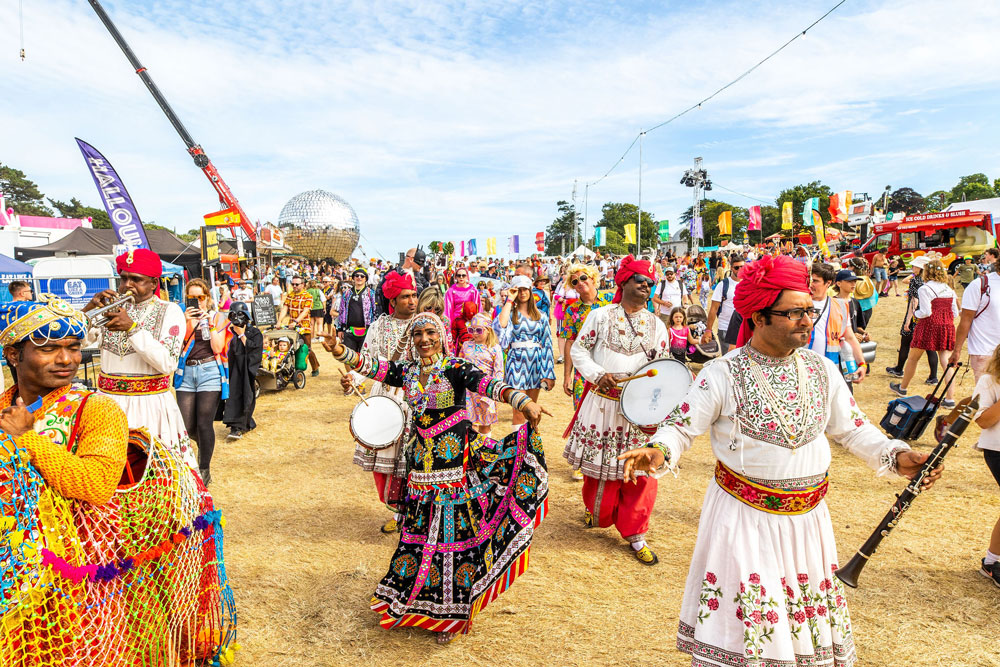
[{"x": 84, "y": 241}]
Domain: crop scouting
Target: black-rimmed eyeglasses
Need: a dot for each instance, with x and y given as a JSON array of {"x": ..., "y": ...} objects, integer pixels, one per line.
[{"x": 795, "y": 314}]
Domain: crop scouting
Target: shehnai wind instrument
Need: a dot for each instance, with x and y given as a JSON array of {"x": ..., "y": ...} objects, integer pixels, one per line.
[{"x": 849, "y": 573}]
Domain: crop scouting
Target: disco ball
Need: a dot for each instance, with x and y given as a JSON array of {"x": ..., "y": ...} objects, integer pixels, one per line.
[{"x": 323, "y": 226}]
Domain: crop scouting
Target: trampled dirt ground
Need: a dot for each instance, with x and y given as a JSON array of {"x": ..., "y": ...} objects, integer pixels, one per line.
[{"x": 304, "y": 552}]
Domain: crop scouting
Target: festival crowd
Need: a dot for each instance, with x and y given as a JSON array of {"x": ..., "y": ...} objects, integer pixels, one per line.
[{"x": 779, "y": 338}]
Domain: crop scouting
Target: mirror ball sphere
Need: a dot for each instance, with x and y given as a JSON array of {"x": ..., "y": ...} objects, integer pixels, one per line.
[{"x": 323, "y": 226}]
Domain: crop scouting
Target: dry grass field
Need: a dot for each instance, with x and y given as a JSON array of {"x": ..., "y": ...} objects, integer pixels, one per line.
[{"x": 304, "y": 552}]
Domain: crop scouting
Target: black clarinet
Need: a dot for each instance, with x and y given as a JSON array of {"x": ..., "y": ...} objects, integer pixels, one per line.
[{"x": 849, "y": 573}]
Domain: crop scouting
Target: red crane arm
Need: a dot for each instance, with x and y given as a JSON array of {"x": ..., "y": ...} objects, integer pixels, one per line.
[{"x": 226, "y": 196}]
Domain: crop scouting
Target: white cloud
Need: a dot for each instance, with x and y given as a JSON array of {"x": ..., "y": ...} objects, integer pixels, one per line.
[{"x": 466, "y": 117}]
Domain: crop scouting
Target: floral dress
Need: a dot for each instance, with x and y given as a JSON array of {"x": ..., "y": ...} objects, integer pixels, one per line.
[
  {"x": 572, "y": 321},
  {"x": 472, "y": 502},
  {"x": 489, "y": 360}
]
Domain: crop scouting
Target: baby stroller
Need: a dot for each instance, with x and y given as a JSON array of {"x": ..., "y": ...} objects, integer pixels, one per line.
[
  {"x": 698, "y": 323},
  {"x": 278, "y": 368}
]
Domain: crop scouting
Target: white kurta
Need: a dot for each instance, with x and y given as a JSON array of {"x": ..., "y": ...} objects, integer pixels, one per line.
[
  {"x": 153, "y": 348},
  {"x": 607, "y": 344},
  {"x": 761, "y": 589},
  {"x": 382, "y": 342}
]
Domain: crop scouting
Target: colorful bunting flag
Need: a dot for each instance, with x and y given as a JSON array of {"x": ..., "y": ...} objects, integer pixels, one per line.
[
  {"x": 810, "y": 205},
  {"x": 491, "y": 245},
  {"x": 726, "y": 223},
  {"x": 471, "y": 247},
  {"x": 754, "y": 225},
  {"x": 461, "y": 246},
  {"x": 540, "y": 241},
  {"x": 664, "y": 231},
  {"x": 599, "y": 237},
  {"x": 834, "y": 207},
  {"x": 630, "y": 233},
  {"x": 786, "y": 215},
  {"x": 515, "y": 245}
]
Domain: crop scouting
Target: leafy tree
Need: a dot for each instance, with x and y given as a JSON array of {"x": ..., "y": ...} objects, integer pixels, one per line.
[
  {"x": 935, "y": 201},
  {"x": 21, "y": 193},
  {"x": 906, "y": 200},
  {"x": 190, "y": 235},
  {"x": 564, "y": 230},
  {"x": 711, "y": 209},
  {"x": 973, "y": 186},
  {"x": 996, "y": 186},
  {"x": 449, "y": 248},
  {"x": 75, "y": 209},
  {"x": 614, "y": 218}
]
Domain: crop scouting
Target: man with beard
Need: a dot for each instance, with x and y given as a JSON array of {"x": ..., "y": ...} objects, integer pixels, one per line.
[
  {"x": 613, "y": 343},
  {"x": 386, "y": 340},
  {"x": 761, "y": 588},
  {"x": 140, "y": 347},
  {"x": 413, "y": 266}
]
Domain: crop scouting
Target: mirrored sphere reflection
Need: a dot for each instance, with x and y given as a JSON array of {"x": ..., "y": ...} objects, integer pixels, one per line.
[{"x": 323, "y": 226}]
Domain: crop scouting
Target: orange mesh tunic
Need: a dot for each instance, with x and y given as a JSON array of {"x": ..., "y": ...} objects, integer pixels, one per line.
[{"x": 91, "y": 470}]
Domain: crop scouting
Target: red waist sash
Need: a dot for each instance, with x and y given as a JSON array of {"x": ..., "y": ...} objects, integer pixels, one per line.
[
  {"x": 767, "y": 498},
  {"x": 132, "y": 385}
]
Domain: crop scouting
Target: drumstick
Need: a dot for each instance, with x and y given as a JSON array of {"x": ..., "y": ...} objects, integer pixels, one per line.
[
  {"x": 354, "y": 387},
  {"x": 648, "y": 374}
]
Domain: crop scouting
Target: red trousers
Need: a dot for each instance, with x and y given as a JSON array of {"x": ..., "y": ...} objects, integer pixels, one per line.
[
  {"x": 381, "y": 479},
  {"x": 626, "y": 506}
]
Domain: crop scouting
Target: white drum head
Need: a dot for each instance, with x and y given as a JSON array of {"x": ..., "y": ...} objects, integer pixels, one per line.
[
  {"x": 647, "y": 401},
  {"x": 377, "y": 424}
]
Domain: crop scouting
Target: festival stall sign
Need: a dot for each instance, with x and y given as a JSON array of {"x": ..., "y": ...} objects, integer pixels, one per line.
[
  {"x": 117, "y": 202},
  {"x": 273, "y": 237},
  {"x": 263, "y": 311},
  {"x": 963, "y": 218},
  {"x": 209, "y": 246}
]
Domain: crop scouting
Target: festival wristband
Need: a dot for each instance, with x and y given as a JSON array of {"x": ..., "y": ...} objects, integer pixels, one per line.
[
  {"x": 663, "y": 450},
  {"x": 131, "y": 329}
]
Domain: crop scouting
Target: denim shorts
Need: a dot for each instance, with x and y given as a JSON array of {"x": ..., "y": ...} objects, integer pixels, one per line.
[
  {"x": 879, "y": 274},
  {"x": 203, "y": 377}
]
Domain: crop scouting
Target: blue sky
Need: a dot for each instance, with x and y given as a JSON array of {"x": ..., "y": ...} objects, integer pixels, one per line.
[{"x": 459, "y": 119}]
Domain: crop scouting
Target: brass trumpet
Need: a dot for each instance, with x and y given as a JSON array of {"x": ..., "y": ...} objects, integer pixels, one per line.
[{"x": 99, "y": 316}]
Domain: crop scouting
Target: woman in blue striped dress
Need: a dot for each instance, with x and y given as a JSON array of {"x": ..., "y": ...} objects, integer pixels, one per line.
[{"x": 524, "y": 335}]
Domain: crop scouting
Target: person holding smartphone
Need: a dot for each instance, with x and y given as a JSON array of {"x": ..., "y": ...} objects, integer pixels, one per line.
[
  {"x": 524, "y": 333},
  {"x": 202, "y": 377}
]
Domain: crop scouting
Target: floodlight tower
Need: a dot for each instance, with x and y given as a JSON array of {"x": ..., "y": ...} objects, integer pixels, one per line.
[{"x": 697, "y": 179}]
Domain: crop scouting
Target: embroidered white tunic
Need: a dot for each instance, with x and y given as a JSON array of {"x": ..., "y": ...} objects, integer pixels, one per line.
[
  {"x": 381, "y": 342},
  {"x": 153, "y": 348},
  {"x": 607, "y": 344},
  {"x": 761, "y": 589}
]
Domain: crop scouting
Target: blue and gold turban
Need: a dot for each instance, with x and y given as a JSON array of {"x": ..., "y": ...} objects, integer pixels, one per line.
[{"x": 49, "y": 318}]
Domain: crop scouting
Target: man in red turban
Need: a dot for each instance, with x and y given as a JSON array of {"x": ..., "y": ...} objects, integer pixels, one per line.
[
  {"x": 394, "y": 285},
  {"x": 761, "y": 283},
  {"x": 628, "y": 268},
  {"x": 141, "y": 348}
]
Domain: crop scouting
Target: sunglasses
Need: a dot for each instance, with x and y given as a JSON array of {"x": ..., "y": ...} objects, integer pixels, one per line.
[
  {"x": 359, "y": 275},
  {"x": 582, "y": 279},
  {"x": 475, "y": 331},
  {"x": 461, "y": 275},
  {"x": 296, "y": 284},
  {"x": 642, "y": 280}
]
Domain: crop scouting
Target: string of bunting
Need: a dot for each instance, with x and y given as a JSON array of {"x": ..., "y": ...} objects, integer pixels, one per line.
[{"x": 111, "y": 571}]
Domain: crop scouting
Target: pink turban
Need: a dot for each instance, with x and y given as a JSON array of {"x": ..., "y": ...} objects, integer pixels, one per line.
[
  {"x": 394, "y": 284},
  {"x": 628, "y": 268},
  {"x": 761, "y": 282}
]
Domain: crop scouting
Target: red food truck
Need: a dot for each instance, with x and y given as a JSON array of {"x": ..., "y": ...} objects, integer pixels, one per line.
[{"x": 951, "y": 233}]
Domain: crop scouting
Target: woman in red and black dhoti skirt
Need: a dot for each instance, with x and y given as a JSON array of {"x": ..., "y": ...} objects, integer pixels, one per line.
[
  {"x": 935, "y": 328},
  {"x": 472, "y": 503}
]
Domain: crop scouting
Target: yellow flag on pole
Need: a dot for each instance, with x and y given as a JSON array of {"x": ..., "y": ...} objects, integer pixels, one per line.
[
  {"x": 786, "y": 215},
  {"x": 726, "y": 223},
  {"x": 491, "y": 245},
  {"x": 630, "y": 233}
]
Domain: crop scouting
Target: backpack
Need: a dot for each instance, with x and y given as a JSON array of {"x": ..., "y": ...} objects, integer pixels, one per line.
[{"x": 730, "y": 335}]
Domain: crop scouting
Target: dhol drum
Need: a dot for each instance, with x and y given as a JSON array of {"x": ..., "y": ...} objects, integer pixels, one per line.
[
  {"x": 647, "y": 401},
  {"x": 377, "y": 422}
]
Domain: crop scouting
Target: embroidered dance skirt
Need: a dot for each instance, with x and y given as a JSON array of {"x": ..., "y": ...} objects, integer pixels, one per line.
[
  {"x": 761, "y": 589},
  {"x": 463, "y": 543},
  {"x": 599, "y": 434}
]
